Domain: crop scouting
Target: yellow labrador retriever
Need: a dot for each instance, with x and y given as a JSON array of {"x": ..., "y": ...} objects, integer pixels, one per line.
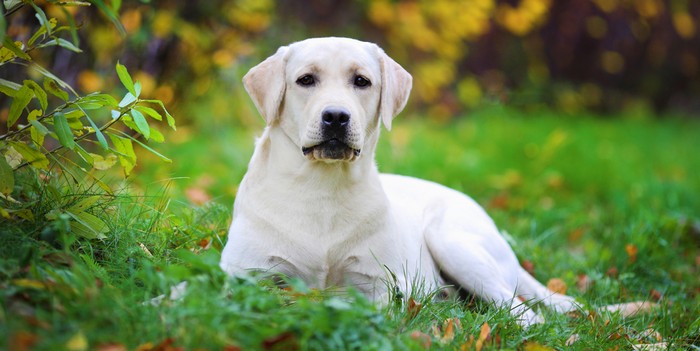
[{"x": 313, "y": 204}]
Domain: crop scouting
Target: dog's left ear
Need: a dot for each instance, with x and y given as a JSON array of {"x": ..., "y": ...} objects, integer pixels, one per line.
[
  {"x": 396, "y": 86},
  {"x": 266, "y": 85}
]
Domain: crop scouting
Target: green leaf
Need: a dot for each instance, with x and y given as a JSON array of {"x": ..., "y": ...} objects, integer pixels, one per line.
[
  {"x": 125, "y": 78},
  {"x": 127, "y": 100},
  {"x": 154, "y": 152},
  {"x": 7, "y": 177},
  {"x": 125, "y": 149},
  {"x": 21, "y": 100},
  {"x": 149, "y": 111},
  {"x": 9, "y": 88},
  {"x": 41, "y": 16},
  {"x": 31, "y": 156},
  {"x": 68, "y": 45},
  {"x": 12, "y": 46},
  {"x": 104, "y": 163},
  {"x": 84, "y": 204},
  {"x": 46, "y": 73},
  {"x": 63, "y": 131},
  {"x": 141, "y": 123},
  {"x": 171, "y": 120},
  {"x": 111, "y": 13},
  {"x": 52, "y": 87},
  {"x": 41, "y": 31},
  {"x": 88, "y": 226},
  {"x": 98, "y": 133},
  {"x": 38, "y": 92},
  {"x": 156, "y": 135},
  {"x": 103, "y": 99},
  {"x": 85, "y": 156},
  {"x": 37, "y": 130},
  {"x": 137, "y": 89}
]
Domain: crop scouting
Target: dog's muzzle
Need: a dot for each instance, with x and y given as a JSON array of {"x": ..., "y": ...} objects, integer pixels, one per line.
[{"x": 334, "y": 129}]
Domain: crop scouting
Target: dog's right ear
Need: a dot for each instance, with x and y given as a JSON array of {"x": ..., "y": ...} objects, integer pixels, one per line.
[{"x": 265, "y": 83}]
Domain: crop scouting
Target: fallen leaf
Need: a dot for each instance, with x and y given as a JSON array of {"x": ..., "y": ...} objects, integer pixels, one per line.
[
  {"x": 557, "y": 285},
  {"x": 468, "y": 345},
  {"x": 144, "y": 347},
  {"x": 631, "y": 308},
  {"x": 655, "y": 295},
  {"x": 533, "y": 346},
  {"x": 422, "y": 338},
  {"x": 583, "y": 283},
  {"x": 22, "y": 341},
  {"x": 529, "y": 267},
  {"x": 576, "y": 234},
  {"x": 661, "y": 346},
  {"x": 483, "y": 336},
  {"x": 111, "y": 347},
  {"x": 197, "y": 196},
  {"x": 413, "y": 308},
  {"x": 285, "y": 341},
  {"x": 77, "y": 342},
  {"x": 572, "y": 339},
  {"x": 29, "y": 283},
  {"x": 449, "y": 334},
  {"x": 632, "y": 251}
]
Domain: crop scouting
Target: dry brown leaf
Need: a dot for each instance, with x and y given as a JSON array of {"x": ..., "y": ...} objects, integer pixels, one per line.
[
  {"x": 632, "y": 251},
  {"x": 572, "y": 339},
  {"x": 197, "y": 196},
  {"x": 22, "y": 341},
  {"x": 661, "y": 346},
  {"x": 533, "y": 346},
  {"x": 631, "y": 308},
  {"x": 583, "y": 283},
  {"x": 557, "y": 285},
  {"x": 413, "y": 308},
  {"x": 422, "y": 338},
  {"x": 529, "y": 267},
  {"x": 483, "y": 336},
  {"x": 467, "y": 346},
  {"x": 111, "y": 347}
]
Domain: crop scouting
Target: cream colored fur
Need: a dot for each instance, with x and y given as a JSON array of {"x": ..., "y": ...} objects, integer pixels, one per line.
[{"x": 336, "y": 222}]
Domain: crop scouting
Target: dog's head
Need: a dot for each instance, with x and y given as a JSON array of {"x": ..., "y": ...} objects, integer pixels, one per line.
[{"x": 328, "y": 94}]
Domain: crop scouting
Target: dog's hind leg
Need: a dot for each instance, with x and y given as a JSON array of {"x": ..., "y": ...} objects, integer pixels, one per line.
[
  {"x": 530, "y": 289},
  {"x": 477, "y": 269}
]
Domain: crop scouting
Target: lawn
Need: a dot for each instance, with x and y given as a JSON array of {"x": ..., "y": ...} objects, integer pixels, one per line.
[{"x": 606, "y": 208}]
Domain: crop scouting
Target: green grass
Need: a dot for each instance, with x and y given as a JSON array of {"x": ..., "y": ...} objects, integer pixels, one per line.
[{"x": 574, "y": 195}]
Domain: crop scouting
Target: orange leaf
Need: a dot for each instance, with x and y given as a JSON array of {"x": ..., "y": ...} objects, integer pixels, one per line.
[
  {"x": 413, "y": 308},
  {"x": 111, "y": 347},
  {"x": 557, "y": 285},
  {"x": 483, "y": 336},
  {"x": 631, "y": 252},
  {"x": 422, "y": 338},
  {"x": 533, "y": 346}
]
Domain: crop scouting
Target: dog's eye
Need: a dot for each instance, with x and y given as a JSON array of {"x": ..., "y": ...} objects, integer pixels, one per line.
[
  {"x": 361, "y": 82},
  {"x": 306, "y": 80}
]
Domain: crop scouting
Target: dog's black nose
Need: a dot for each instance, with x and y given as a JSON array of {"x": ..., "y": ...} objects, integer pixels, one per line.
[{"x": 335, "y": 118}]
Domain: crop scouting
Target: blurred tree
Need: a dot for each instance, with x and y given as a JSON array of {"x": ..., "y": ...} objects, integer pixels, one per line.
[{"x": 577, "y": 54}]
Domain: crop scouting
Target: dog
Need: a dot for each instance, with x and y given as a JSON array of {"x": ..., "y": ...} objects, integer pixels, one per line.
[{"x": 313, "y": 204}]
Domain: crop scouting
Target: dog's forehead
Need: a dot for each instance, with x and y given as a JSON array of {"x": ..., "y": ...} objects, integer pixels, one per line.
[{"x": 333, "y": 54}]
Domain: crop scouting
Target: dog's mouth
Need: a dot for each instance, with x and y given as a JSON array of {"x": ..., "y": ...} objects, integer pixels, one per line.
[{"x": 331, "y": 150}]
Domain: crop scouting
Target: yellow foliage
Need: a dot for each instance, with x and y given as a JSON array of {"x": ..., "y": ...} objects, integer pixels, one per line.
[
  {"x": 612, "y": 62},
  {"x": 433, "y": 34},
  {"x": 524, "y": 18},
  {"x": 684, "y": 24}
]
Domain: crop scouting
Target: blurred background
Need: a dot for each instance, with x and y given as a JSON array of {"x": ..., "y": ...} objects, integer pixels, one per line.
[{"x": 613, "y": 58}]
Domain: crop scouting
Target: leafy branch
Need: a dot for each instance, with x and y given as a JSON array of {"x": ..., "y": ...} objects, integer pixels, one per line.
[{"x": 48, "y": 108}]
